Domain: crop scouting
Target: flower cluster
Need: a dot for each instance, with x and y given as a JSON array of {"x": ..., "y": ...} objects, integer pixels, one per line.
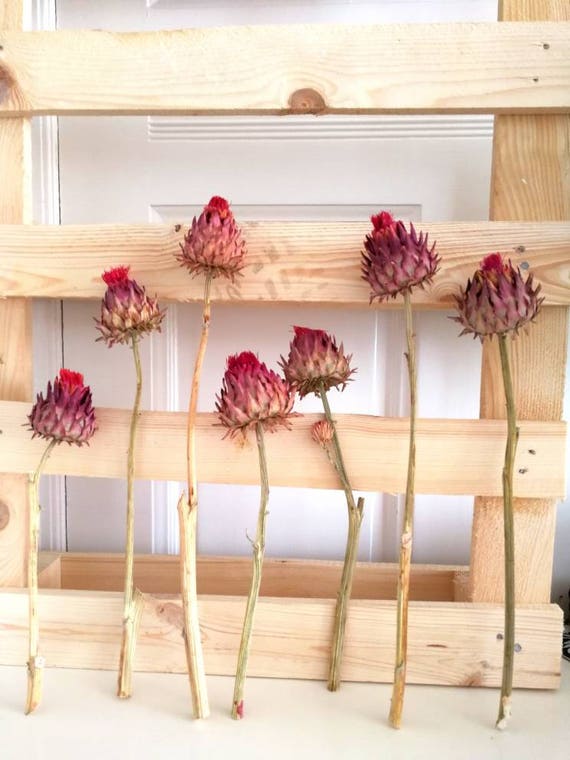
[
  {"x": 126, "y": 310},
  {"x": 66, "y": 412},
  {"x": 213, "y": 244},
  {"x": 497, "y": 299}
]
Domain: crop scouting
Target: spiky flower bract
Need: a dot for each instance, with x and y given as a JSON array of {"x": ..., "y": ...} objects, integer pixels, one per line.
[
  {"x": 315, "y": 362},
  {"x": 497, "y": 299},
  {"x": 66, "y": 412},
  {"x": 395, "y": 261},
  {"x": 214, "y": 245},
  {"x": 126, "y": 310},
  {"x": 252, "y": 393}
]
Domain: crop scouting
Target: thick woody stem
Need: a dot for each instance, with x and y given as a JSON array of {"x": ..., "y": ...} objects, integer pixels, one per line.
[
  {"x": 355, "y": 513},
  {"x": 188, "y": 515},
  {"x": 132, "y": 602},
  {"x": 35, "y": 662},
  {"x": 399, "y": 686},
  {"x": 509, "y": 538},
  {"x": 258, "y": 547}
]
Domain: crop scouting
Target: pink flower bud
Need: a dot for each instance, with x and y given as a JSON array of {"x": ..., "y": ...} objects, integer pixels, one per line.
[
  {"x": 251, "y": 393},
  {"x": 315, "y": 359},
  {"x": 213, "y": 243},
  {"x": 126, "y": 310},
  {"x": 497, "y": 300},
  {"x": 396, "y": 260},
  {"x": 66, "y": 413},
  {"x": 322, "y": 433}
]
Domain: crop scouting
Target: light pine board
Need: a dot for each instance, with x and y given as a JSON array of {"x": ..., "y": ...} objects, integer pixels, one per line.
[
  {"x": 15, "y": 319},
  {"x": 449, "y": 643},
  {"x": 427, "y": 68},
  {"x": 287, "y": 262},
  {"x": 453, "y": 456},
  {"x": 231, "y": 576},
  {"x": 530, "y": 180}
]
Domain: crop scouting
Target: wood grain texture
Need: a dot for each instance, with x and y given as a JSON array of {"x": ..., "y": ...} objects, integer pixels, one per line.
[
  {"x": 49, "y": 570},
  {"x": 11, "y": 14},
  {"x": 15, "y": 318},
  {"x": 290, "y": 69},
  {"x": 530, "y": 180},
  {"x": 450, "y": 643},
  {"x": 453, "y": 456},
  {"x": 309, "y": 262},
  {"x": 230, "y": 576}
]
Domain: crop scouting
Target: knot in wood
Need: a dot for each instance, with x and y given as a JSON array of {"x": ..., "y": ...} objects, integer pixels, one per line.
[
  {"x": 307, "y": 100},
  {"x": 7, "y": 82},
  {"x": 4, "y": 515}
]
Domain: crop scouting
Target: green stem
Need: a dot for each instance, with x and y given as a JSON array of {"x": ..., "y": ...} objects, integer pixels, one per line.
[
  {"x": 355, "y": 514},
  {"x": 35, "y": 663},
  {"x": 188, "y": 521},
  {"x": 258, "y": 547},
  {"x": 399, "y": 686},
  {"x": 132, "y": 601},
  {"x": 509, "y": 538}
]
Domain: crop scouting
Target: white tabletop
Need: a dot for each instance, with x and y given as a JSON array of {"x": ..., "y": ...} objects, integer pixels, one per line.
[{"x": 80, "y": 718}]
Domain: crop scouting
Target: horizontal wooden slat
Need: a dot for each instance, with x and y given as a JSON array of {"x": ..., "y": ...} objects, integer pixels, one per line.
[
  {"x": 449, "y": 643},
  {"x": 453, "y": 456},
  {"x": 160, "y": 574},
  {"x": 288, "y": 262},
  {"x": 429, "y": 68}
]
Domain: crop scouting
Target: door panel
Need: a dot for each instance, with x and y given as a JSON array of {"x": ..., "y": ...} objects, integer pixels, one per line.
[{"x": 137, "y": 170}]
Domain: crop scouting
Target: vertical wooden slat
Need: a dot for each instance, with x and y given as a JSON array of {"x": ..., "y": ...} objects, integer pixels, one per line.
[
  {"x": 530, "y": 181},
  {"x": 15, "y": 321}
]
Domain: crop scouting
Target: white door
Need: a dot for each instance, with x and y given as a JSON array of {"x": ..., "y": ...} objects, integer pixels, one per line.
[{"x": 163, "y": 170}]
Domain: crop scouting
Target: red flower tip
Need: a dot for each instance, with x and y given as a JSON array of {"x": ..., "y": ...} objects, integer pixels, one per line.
[
  {"x": 71, "y": 380},
  {"x": 243, "y": 360},
  {"x": 116, "y": 276},
  {"x": 219, "y": 204},
  {"x": 239, "y": 709},
  {"x": 493, "y": 263},
  {"x": 382, "y": 221}
]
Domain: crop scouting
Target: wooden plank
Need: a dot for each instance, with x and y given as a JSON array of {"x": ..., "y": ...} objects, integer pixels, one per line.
[
  {"x": 15, "y": 319},
  {"x": 450, "y": 643},
  {"x": 288, "y": 262},
  {"x": 530, "y": 180},
  {"x": 49, "y": 570},
  {"x": 290, "y": 69},
  {"x": 453, "y": 456},
  {"x": 159, "y": 574}
]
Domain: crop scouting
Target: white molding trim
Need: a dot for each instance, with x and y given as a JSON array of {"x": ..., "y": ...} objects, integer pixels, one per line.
[
  {"x": 333, "y": 127},
  {"x": 47, "y": 313},
  {"x": 165, "y": 395}
]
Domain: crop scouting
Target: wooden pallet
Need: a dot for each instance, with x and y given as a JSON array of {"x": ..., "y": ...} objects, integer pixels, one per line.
[{"x": 520, "y": 69}]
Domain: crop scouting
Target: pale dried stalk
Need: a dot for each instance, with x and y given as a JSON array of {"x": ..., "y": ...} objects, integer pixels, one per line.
[
  {"x": 35, "y": 662},
  {"x": 258, "y": 547},
  {"x": 509, "y": 539},
  {"x": 132, "y": 600},
  {"x": 188, "y": 515},
  {"x": 355, "y": 514},
  {"x": 397, "y": 703}
]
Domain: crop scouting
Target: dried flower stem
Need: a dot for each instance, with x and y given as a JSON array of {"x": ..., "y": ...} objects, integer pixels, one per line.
[
  {"x": 188, "y": 514},
  {"x": 258, "y": 547},
  {"x": 132, "y": 604},
  {"x": 509, "y": 538},
  {"x": 35, "y": 663},
  {"x": 397, "y": 703},
  {"x": 355, "y": 513}
]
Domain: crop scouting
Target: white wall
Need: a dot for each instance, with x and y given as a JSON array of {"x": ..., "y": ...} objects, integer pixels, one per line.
[{"x": 133, "y": 169}]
